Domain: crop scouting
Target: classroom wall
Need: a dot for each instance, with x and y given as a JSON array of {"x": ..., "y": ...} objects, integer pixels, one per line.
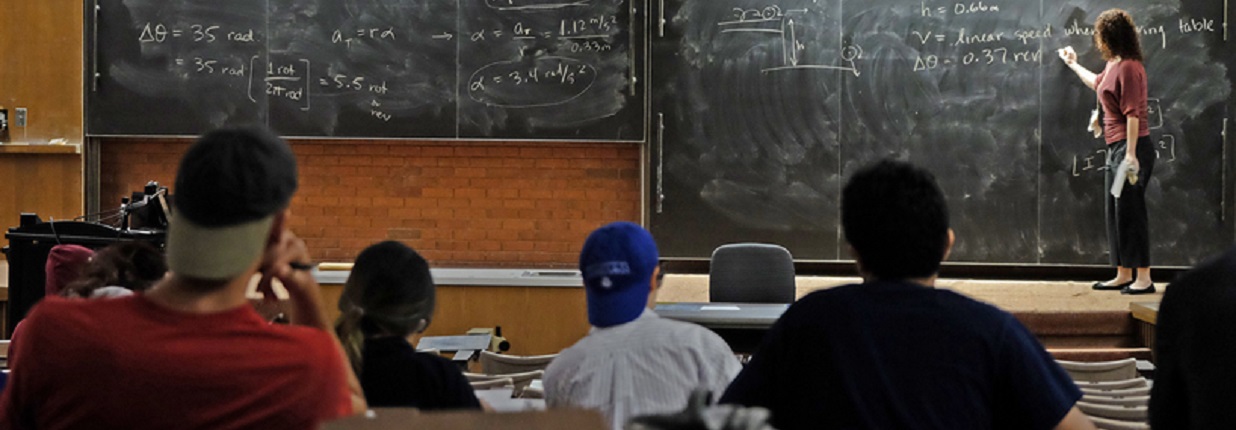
[
  {"x": 462, "y": 204},
  {"x": 40, "y": 67},
  {"x": 503, "y": 204},
  {"x": 40, "y": 70}
]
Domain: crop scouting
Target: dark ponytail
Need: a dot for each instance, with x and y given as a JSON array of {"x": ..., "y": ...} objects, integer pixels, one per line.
[{"x": 390, "y": 292}]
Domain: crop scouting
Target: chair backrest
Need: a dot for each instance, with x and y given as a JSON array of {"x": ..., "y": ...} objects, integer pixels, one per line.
[
  {"x": 1119, "y": 401},
  {"x": 502, "y": 364},
  {"x": 492, "y": 383},
  {"x": 1084, "y": 371},
  {"x": 1115, "y": 412},
  {"x": 518, "y": 381},
  {"x": 1115, "y": 385},
  {"x": 1123, "y": 392},
  {"x": 1110, "y": 424},
  {"x": 751, "y": 273}
]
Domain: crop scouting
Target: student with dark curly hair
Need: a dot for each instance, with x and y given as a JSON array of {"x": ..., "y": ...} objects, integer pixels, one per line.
[
  {"x": 119, "y": 270},
  {"x": 1122, "y": 94}
]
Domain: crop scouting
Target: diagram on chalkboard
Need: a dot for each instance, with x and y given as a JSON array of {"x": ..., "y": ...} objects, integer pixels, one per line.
[{"x": 772, "y": 20}]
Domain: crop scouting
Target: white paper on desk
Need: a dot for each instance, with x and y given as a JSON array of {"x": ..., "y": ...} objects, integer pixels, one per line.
[
  {"x": 1122, "y": 172},
  {"x": 719, "y": 308},
  {"x": 495, "y": 395}
]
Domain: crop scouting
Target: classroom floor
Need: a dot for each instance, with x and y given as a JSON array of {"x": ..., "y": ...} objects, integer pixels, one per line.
[{"x": 1012, "y": 296}]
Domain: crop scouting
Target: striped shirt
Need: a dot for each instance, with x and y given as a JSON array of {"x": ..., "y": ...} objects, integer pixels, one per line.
[{"x": 647, "y": 366}]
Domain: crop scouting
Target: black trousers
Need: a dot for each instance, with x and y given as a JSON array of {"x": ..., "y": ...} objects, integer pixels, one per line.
[{"x": 1128, "y": 229}]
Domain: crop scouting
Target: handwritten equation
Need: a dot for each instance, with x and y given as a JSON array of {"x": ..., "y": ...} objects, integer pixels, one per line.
[
  {"x": 545, "y": 81},
  {"x": 959, "y": 45},
  {"x": 1096, "y": 161},
  {"x": 529, "y": 75},
  {"x": 155, "y": 32}
]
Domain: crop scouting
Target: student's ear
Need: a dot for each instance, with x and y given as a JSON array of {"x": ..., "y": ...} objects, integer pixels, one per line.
[
  {"x": 948, "y": 247},
  {"x": 421, "y": 326},
  {"x": 654, "y": 285},
  {"x": 655, "y": 282}
]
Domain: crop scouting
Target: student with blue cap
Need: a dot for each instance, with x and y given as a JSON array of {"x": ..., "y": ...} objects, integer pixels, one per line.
[{"x": 633, "y": 362}]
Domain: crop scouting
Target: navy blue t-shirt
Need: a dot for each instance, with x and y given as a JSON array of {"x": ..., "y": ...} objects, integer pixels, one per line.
[
  {"x": 899, "y": 355},
  {"x": 393, "y": 374}
]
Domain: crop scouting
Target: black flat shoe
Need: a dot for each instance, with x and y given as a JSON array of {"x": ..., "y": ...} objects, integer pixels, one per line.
[
  {"x": 1104, "y": 287},
  {"x": 1132, "y": 291}
]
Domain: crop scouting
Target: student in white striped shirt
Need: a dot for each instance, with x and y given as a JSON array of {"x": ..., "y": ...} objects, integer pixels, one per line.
[{"x": 633, "y": 362}]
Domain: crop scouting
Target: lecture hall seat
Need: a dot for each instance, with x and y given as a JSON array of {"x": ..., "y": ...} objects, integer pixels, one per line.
[{"x": 501, "y": 364}]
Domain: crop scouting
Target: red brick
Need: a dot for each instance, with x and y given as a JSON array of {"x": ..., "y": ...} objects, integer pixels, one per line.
[
  {"x": 454, "y": 203},
  {"x": 523, "y": 203},
  {"x": 437, "y": 192},
  {"x": 518, "y": 246},
  {"x": 420, "y": 202},
  {"x": 437, "y": 151},
  {"x": 499, "y": 193}
]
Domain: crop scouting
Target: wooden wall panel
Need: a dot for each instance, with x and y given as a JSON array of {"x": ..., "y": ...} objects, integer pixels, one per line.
[
  {"x": 41, "y": 67},
  {"x": 47, "y": 184},
  {"x": 536, "y": 320}
]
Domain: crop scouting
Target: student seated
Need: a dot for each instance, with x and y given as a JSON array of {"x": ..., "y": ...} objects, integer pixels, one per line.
[
  {"x": 64, "y": 265},
  {"x": 1195, "y": 349},
  {"x": 633, "y": 362},
  {"x": 192, "y": 353},
  {"x": 115, "y": 271},
  {"x": 894, "y": 352},
  {"x": 119, "y": 270},
  {"x": 388, "y": 297}
]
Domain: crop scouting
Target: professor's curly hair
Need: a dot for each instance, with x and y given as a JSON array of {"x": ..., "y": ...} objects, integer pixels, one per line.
[{"x": 1116, "y": 36}]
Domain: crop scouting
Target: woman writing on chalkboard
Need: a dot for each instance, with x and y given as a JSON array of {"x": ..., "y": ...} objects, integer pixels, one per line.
[{"x": 1121, "y": 91}]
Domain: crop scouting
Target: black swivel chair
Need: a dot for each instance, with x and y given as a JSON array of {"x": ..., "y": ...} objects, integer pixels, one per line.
[{"x": 751, "y": 273}]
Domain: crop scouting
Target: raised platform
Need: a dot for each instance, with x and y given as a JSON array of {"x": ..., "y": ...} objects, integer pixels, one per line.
[{"x": 1072, "y": 320}]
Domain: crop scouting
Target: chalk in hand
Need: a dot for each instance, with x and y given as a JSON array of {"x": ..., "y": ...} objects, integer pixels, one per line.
[{"x": 1066, "y": 53}]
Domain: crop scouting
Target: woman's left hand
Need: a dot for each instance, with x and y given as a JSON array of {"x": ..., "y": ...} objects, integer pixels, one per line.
[{"x": 1134, "y": 166}]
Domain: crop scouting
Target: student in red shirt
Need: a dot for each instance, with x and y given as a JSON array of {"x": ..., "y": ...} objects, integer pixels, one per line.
[
  {"x": 1122, "y": 93},
  {"x": 192, "y": 353}
]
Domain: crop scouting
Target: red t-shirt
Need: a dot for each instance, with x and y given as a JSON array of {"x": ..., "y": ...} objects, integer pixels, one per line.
[
  {"x": 1122, "y": 92},
  {"x": 130, "y": 363}
]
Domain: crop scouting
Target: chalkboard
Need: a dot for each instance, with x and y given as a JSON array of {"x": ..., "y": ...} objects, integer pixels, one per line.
[
  {"x": 479, "y": 69},
  {"x": 762, "y": 108}
]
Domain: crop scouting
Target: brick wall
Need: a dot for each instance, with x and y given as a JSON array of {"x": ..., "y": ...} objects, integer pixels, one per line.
[{"x": 459, "y": 204}]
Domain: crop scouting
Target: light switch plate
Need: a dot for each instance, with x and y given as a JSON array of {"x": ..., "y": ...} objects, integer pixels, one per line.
[{"x": 19, "y": 119}]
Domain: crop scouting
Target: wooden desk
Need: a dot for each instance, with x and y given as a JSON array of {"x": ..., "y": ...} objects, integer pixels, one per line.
[
  {"x": 540, "y": 311},
  {"x": 401, "y": 418},
  {"x": 1146, "y": 314},
  {"x": 742, "y": 325},
  {"x": 751, "y": 316}
]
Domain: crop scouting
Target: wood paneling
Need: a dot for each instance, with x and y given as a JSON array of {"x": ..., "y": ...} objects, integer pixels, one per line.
[
  {"x": 47, "y": 184},
  {"x": 536, "y": 320},
  {"x": 41, "y": 67}
]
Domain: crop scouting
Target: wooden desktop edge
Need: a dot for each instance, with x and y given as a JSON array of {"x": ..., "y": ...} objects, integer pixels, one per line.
[
  {"x": 1145, "y": 311},
  {"x": 24, "y": 148}
]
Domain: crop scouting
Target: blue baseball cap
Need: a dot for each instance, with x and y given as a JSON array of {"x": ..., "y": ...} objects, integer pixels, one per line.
[{"x": 617, "y": 264}]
